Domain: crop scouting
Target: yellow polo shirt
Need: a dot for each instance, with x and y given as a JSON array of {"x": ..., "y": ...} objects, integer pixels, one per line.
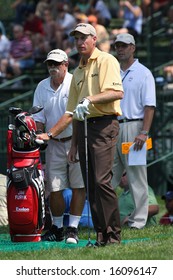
[{"x": 101, "y": 73}]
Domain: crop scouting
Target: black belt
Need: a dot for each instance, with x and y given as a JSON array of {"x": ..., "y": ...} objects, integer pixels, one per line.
[
  {"x": 105, "y": 117},
  {"x": 62, "y": 139},
  {"x": 129, "y": 120}
]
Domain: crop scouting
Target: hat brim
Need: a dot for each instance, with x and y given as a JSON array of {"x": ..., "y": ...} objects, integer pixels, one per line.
[
  {"x": 72, "y": 33},
  {"x": 124, "y": 42},
  {"x": 53, "y": 60}
]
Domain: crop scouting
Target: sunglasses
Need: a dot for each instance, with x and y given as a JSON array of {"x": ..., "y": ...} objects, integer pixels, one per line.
[{"x": 52, "y": 62}]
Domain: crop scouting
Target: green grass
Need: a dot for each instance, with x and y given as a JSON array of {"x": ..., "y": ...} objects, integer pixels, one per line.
[{"x": 150, "y": 243}]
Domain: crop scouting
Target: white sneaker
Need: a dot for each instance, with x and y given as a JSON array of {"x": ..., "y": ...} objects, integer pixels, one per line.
[{"x": 71, "y": 235}]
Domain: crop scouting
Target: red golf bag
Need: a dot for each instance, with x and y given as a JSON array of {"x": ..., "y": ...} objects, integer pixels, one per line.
[{"x": 25, "y": 182}]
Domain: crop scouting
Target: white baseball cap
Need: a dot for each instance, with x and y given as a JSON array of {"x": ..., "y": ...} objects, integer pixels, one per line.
[
  {"x": 57, "y": 55},
  {"x": 125, "y": 38},
  {"x": 84, "y": 28}
]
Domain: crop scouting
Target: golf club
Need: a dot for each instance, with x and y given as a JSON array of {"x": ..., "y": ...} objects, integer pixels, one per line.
[{"x": 89, "y": 244}]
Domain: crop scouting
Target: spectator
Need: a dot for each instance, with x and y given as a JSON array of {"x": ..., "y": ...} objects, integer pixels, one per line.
[
  {"x": 33, "y": 24},
  {"x": 41, "y": 6},
  {"x": 4, "y": 45},
  {"x": 20, "y": 55},
  {"x": 82, "y": 6},
  {"x": 101, "y": 10},
  {"x": 133, "y": 18},
  {"x": 167, "y": 218},
  {"x": 84, "y": 222},
  {"x": 149, "y": 6},
  {"x": 168, "y": 71},
  {"x": 21, "y": 7},
  {"x": 126, "y": 203},
  {"x": 103, "y": 42},
  {"x": 50, "y": 29},
  {"x": 33, "y": 28},
  {"x": 3, "y": 201},
  {"x": 65, "y": 23},
  {"x": 80, "y": 17}
]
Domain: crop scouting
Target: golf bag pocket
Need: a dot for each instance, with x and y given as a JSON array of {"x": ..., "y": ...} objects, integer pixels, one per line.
[
  {"x": 22, "y": 209},
  {"x": 22, "y": 177},
  {"x": 26, "y": 204}
]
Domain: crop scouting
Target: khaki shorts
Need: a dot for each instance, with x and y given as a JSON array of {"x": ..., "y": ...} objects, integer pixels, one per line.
[{"x": 60, "y": 174}]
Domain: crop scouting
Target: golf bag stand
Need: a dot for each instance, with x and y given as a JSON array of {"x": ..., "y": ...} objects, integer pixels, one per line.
[{"x": 25, "y": 180}]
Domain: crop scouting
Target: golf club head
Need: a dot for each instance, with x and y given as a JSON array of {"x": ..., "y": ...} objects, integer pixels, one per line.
[
  {"x": 89, "y": 244},
  {"x": 35, "y": 109},
  {"x": 15, "y": 110}
]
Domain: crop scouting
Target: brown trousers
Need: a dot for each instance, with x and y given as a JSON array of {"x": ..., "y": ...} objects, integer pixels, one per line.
[{"x": 102, "y": 135}]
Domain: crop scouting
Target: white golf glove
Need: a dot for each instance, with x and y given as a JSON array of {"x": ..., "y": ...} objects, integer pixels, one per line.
[{"x": 82, "y": 109}]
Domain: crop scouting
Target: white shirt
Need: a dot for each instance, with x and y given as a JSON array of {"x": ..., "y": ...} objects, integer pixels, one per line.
[
  {"x": 4, "y": 46},
  {"x": 53, "y": 103},
  {"x": 139, "y": 91}
]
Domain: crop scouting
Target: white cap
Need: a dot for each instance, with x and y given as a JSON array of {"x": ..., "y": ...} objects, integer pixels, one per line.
[
  {"x": 84, "y": 28},
  {"x": 125, "y": 38},
  {"x": 57, "y": 55}
]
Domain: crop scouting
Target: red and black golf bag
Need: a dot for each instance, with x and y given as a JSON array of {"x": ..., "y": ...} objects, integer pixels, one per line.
[{"x": 25, "y": 180}]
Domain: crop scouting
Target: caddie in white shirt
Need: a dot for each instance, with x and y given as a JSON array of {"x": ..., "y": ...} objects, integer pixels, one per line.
[{"x": 52, "y": 94}]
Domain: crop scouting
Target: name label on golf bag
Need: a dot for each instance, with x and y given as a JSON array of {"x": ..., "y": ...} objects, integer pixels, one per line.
[{"x": 25, "y": 203}]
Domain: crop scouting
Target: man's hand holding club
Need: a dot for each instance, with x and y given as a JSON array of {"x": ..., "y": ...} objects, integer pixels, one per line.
[{"x": 82, "y": 109}]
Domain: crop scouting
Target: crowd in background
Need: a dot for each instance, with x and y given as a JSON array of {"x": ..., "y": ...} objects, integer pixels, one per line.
[{"x": 45, "y": 24}]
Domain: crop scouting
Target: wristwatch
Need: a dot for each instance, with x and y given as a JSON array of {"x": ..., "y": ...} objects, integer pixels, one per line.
[
  {"x": 49, "y": 134},
  {"x": 144, "y": 132}
]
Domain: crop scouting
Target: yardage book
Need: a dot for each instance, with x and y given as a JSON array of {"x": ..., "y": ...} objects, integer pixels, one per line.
[{"x": 126, "y": 146}]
